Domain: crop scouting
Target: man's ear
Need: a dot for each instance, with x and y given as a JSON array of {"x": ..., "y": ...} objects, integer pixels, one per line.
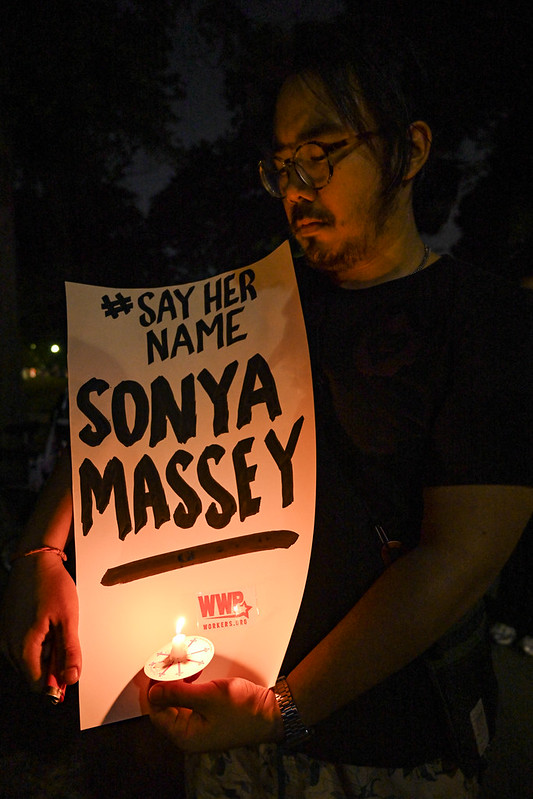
[{"x": 420, "y": 134}]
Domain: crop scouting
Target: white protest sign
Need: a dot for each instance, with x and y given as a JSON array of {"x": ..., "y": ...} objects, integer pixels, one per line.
[{"x": 193, "y": 457}]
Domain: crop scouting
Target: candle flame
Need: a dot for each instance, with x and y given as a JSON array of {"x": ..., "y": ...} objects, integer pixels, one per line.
[{"x": 179, "y": 625}]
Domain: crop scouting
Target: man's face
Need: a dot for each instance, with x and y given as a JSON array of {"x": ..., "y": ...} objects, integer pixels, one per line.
[{"x": 343, "y": 226}]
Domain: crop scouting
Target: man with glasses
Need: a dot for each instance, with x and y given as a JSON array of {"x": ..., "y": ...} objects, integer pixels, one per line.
[{"x": 421, "y": 485}]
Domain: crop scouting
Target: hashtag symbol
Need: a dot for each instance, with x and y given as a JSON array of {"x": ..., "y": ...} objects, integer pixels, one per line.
[{"x": 120, "y": 304}]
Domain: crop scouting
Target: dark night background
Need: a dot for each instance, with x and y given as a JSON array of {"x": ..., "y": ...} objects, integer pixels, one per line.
[{"x": 127, "y": 159}]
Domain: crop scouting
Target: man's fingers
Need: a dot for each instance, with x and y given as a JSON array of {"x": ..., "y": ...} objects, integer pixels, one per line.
[
  {"x": 72, "y": 661},
  {"x": 33, "y": 656},
  {"x": 170, "y": 719},
  {"x": 174, "y": 722},
  {"x": 165, "y": 694},
  {"x": 178, "y": 694},
  {"x": 72, "y": 668}
]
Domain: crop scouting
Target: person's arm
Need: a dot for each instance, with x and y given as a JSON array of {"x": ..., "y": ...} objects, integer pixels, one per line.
[
  {"x": 468, "y": 533},
  {"x": 39, "y": 609}
]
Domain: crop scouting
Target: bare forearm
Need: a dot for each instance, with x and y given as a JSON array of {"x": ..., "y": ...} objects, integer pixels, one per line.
[
  {"x": 468, "y": 531},
  {"x": 51, "y": 521},
  {"x": 415, "y": 601},
  {"x": 399, "y": 618},
  {"x": 377, "y": 637}
]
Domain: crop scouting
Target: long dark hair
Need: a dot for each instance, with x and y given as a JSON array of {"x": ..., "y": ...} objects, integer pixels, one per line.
[{"x": 365, "y": 69}]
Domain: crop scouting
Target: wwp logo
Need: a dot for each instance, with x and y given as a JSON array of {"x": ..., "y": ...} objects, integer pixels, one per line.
[{"x": 227, "y": 609}]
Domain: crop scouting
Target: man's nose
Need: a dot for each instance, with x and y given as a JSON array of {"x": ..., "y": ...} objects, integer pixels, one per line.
[{"x": 297, "y": 190}]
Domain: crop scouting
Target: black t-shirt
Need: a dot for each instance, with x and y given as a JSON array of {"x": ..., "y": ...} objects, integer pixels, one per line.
[{"x": 421, "y": 381}]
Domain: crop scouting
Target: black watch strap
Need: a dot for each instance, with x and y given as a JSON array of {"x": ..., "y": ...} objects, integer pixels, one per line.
[{"x": 295, "y": 730}]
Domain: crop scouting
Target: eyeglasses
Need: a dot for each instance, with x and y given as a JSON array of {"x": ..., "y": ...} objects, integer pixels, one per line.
[{"x": 311, "y": 162}]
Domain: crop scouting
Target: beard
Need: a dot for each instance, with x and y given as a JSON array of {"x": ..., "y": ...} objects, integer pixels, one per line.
[{"x": 354, "y": 250}]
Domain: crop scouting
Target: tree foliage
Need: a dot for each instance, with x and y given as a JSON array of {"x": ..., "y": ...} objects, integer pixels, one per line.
[
  {"x": 214, "y": 216},
  {"x": 87, "y": 83},
  {"x": 476, "y": 57},
  {"x": 83, "y": 86}
]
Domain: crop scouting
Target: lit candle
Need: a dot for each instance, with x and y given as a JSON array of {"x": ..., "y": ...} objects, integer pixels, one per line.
[
  {"x": 178, "y": 652},
  {"x": 183, "y": 657}
]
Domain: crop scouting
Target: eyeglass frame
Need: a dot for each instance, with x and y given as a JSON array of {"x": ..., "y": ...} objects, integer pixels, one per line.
[{"x": 287, "y": 163}]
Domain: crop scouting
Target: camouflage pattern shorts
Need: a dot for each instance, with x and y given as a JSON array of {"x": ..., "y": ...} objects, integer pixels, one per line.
[{"x": 268, "y": 772}]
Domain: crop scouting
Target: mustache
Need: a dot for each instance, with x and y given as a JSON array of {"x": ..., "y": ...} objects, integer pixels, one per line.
[{"x": 299, "y": 212}]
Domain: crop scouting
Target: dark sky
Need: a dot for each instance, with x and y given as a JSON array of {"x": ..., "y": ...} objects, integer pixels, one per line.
[{"x": 203, "y": 114}]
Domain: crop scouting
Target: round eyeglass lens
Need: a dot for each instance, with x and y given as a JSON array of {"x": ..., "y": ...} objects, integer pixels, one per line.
[
  {"x": 270, "y": 177},
  {"x": 312, "y": 165}
]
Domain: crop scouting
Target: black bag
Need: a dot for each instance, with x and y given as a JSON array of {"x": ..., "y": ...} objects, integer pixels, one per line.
[{"x": 460, "y": 665}]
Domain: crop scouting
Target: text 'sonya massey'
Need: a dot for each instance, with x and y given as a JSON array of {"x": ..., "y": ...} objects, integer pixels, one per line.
[{"x": 166, "y": 408}]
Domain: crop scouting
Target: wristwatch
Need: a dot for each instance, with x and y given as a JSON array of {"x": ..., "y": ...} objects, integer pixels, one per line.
[{"x": 295, "y": 730}]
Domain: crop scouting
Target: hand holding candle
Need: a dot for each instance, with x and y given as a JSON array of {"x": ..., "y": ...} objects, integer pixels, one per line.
[{"x": 183, "y": 657}]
